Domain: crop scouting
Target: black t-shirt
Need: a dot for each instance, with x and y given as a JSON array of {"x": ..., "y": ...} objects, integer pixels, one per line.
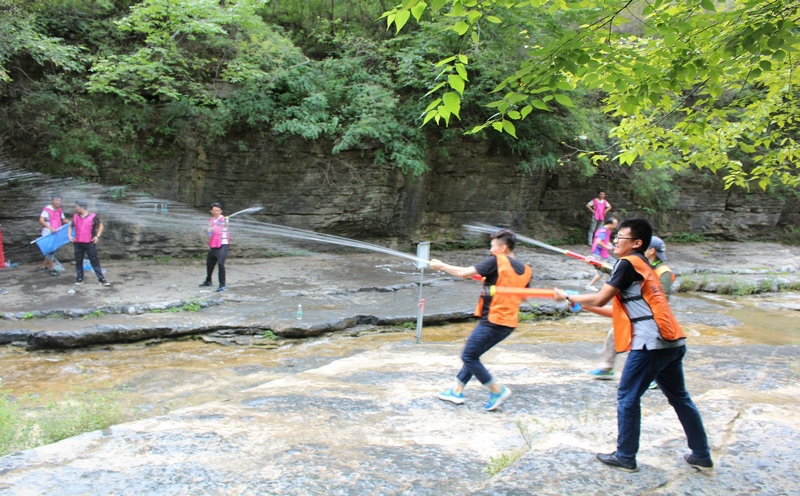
[
  {"x": 624, "y": 274},
  {"x": 487, "y": 268}
]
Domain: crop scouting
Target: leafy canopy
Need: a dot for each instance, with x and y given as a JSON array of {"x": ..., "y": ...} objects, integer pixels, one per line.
[{"x": 708, "y": 84}]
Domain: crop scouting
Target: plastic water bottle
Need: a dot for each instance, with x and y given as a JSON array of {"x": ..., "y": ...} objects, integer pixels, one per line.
[{"x": 299, "y": 312}]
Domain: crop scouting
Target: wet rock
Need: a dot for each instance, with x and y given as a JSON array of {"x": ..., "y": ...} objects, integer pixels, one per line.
[{"x": 14, "y": 335}]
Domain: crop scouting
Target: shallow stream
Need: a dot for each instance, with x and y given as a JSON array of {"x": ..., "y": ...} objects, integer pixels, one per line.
[{"x": 160, "y": 376}]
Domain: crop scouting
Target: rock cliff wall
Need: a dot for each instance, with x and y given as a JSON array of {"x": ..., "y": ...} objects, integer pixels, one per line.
[{"x": 300, "y": 184}]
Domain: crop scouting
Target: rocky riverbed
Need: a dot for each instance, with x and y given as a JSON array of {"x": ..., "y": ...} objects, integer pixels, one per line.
[{"x": 365, "y": 419}]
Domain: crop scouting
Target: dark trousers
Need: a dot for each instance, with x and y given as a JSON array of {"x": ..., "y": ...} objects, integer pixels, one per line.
[
  {"x": 216, "y": 256},
  {"x": 482, "y": 339},
  {"x": 666, "y": 367},
  {"x": 90, "y": 250}
]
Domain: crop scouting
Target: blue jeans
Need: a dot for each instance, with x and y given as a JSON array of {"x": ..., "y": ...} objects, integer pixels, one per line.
[
  {"x": 666, "y": 367},
  {"x": 481, "y": 340}
]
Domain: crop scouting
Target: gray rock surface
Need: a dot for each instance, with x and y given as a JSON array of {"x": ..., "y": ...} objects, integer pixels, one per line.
[{"x": 370, "y": 423}]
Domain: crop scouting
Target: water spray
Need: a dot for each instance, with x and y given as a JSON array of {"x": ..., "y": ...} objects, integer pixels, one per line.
[{"x": 484, "y": 228}]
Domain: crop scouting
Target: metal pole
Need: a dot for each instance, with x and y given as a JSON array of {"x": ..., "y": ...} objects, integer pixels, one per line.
[{"x": 423, "y": 253}]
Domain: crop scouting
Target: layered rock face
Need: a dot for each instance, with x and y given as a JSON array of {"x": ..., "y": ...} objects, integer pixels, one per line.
[{"x": 300, "y": 184}]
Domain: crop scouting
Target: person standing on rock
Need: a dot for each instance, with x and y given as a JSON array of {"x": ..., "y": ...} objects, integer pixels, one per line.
[
  {"x": 84, "y": 233},
  {"x": 599, "y": 207},
  {"x": 645, "y": 325},
  {"x": 51, "y": 219},
  {"x": 498, "y": 314},
  {"x": 218, "y": 241}
]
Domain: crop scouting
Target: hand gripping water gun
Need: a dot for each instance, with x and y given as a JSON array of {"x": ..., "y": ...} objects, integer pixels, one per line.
[{"x": 490, "y": 229}]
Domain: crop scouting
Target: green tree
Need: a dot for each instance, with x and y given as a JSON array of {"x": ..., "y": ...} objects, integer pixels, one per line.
[
  {"x": 21, "y": 36},
  {"x": 691, "y": 83}
]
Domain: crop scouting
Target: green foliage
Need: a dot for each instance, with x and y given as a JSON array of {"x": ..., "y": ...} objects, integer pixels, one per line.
[
  {"x": 682, "y": 237},
  {"x": 93, "y": 315},
  {"x": 77, "y": 412},
  {"x": 15, "y": 431},
  {"x": 268, "y": 334},
  {"x": 21, "y": 36},
  {"x": 712, "y": 87}
]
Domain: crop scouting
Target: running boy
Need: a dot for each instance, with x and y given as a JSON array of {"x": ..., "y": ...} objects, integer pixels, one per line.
[{"x": 498, "y": 314}]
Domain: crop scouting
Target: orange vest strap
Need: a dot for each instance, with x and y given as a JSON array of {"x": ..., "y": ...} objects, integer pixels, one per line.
[{"x": 656, "y": 299}]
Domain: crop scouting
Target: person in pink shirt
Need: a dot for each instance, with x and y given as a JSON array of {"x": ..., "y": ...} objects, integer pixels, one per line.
[
  {"x": 218, "y": 242},
  {"x": 84, "y": 233},
  {"x": 601, "y": 245},
  {"x": 599, "y": 207},
  {"x": 51, "y": 219}
]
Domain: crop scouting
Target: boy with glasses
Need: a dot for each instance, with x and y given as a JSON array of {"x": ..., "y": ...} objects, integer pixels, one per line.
[{"x": 645, "y": 325}]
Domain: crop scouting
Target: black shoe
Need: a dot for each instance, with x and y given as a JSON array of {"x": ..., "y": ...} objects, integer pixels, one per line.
[
  {"x": 221, "y": 289},
  {"x": 699, "y": 463},
  {"x": 612, "y": 460},
  {"x": 53, "y": 272},
  {"x": 78, "y": 282},
  {"x": 105, "y": 283},
  {"x": 206, "y": 284}
]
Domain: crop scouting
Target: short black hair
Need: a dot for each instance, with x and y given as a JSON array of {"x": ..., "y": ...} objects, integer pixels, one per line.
[
  {"x": 216, "y": 204},
  {"x": 505, "y": 236},
  {"x": 610, "y": 220},
  {"x": 55, "y": 195},
  {"x": 640, "y": 229},
  {"x": 82, "y": 203}
]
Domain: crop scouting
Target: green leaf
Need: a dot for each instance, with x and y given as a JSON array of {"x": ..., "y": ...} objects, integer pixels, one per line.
[
  {"x": 508, "y": 127},
  {"x": 563, "y": 100},
  {"x": 452, "y": 102},
  {"x": 429, "y": 116},
  {"x": 627, "y": 158},
  {"x": 463, "y": 58},
  {"x": 456, "y": 83},
  {"x": 498, "y": 126},
  {"x": 493, "y": 19},
  {"x": 462, "y": 71},
  {"x": 461, "y": 27},
  {"x": 708, "y": 5},
  {"x": 539, "y": 105},
  {"x": 436, "y": 5},
  {"x": 401, "y": 19},
  {"x": 418, "y": 9},
  {"x": 526, "y": 110},
  {"x": 433, "y": 104},
  {"x": 514, "y": 115}
]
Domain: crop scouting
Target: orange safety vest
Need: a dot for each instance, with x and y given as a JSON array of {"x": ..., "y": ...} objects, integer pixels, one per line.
[
  {"x": 661, "y": 268},
  {"x": 654, "y": 296},
  {"x": 504, "y": 308}
]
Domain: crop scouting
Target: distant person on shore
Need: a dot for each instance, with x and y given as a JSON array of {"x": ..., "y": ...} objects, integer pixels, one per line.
[
  {"x": 218, "y": 241},
  {"x": 600, "y": 249},
  {"x": 599, "y": 207},
  {"x": 645, "y": 325},
  {"x": 51, "y": 219},
  {"x": 498, "y": 314},
  {"x": 84, "y": 233},
  {"x": 655, "y": 255}
]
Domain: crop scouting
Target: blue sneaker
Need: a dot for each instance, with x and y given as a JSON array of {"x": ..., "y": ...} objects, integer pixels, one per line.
[
  {"x": 496, "y": 399},
  {"x": 221, "y": 289},
  {"x": 602, "y": 374},
  {"x": 452, "y": 397}
]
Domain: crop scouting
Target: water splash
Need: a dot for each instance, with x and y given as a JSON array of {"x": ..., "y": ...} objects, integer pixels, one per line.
[{"x": 125, "y": 205}]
